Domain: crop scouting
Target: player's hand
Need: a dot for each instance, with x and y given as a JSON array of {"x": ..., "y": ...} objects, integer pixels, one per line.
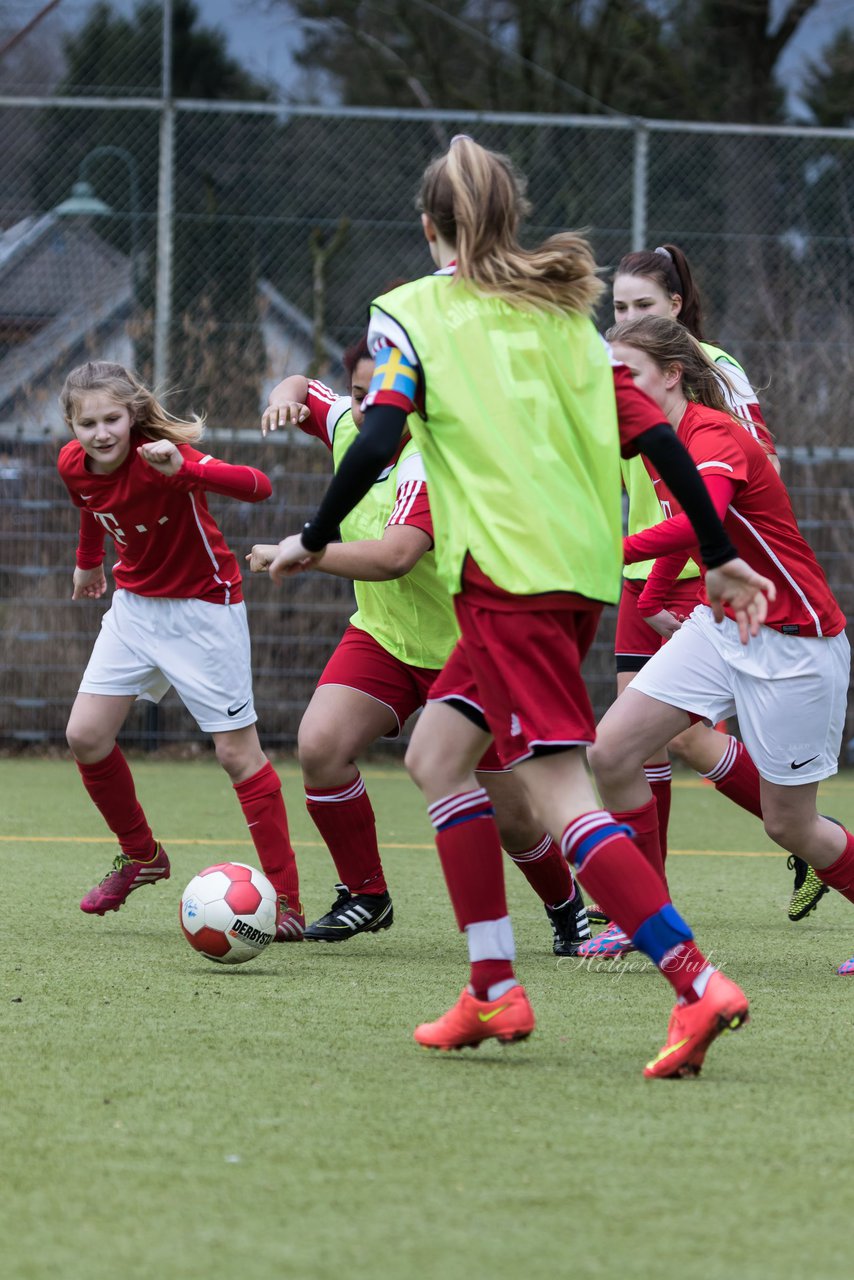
[
  {"x": 281, "y": 413},
  {"x": 261, "y": 556},
  {"x": 746, "y": 592},
  {"x": 162, "y": 456},
  {"x": 292, "y": 558},
  {"x": 664, "y": 623},
  {"x": 89, "y": 584}
]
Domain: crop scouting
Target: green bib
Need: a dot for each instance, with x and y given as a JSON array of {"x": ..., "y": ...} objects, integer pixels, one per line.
[
  {"x": 519, "y": 438},
  {"x": 411, "y": 617}
]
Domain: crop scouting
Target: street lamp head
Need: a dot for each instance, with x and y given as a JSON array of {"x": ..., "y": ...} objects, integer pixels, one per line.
[{"x": 82, "y": 202}]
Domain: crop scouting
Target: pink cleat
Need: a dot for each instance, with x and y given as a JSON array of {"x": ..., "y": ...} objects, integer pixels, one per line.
[
  {"x": 290, "y": 922},
  {"x": 127, "y": 874},
  {"x": 610, "y": 944},
  {"x": 847, "y": 967}
]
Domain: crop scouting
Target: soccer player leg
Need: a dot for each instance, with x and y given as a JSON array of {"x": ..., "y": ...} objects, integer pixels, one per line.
[
  {"x": 632, "y": 730},
  {"x": 790, "y": 701},
  {"x": 442, "y": 755},
  {"x": 259, "y": 791},
  {"x": 115, "y": 676},
  {"x": 339, "y": 724},
  {"x": 609, "y": 866},
  {"x": 537, "y": 856},
  {"x": 635, "y": 642}
]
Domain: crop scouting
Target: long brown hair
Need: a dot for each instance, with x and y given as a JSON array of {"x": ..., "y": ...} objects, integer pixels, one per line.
[
  {"x": 667, "y": 342},
  {"x": 476, "y": 200},
  {"x": 148, "y": 416},
  {"x": 668, "y": 267}
]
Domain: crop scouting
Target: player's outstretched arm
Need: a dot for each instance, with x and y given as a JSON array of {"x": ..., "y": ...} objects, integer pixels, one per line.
[
  {"x": 364, "y": 460},
  {"x": 287, "y": 404},
  {"x": 745, "y": 591}
]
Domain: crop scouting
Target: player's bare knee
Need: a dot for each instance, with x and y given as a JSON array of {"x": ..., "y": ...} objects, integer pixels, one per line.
[
  {"x": 418, "y": 761},
  {"x": 320, "y": 753},
  {"x": 783, "y": 828},
  {"x": 231, "y": 755},
  {"x": 87, "y": 743},
  {"x": 605, "y": 759}
]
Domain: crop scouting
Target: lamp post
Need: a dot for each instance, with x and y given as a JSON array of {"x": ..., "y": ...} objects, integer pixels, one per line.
[{"x": 84, "y": 202}]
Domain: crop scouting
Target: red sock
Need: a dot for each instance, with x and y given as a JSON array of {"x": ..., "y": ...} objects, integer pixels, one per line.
[
  {"x": 470, "y": 853},
  {"x": 615, "y": 873},
  {"x": 840, "y": 874},
  {"x": 547, "y": 872},
  {"x": 660, "y": 779},
  {"x": 736, "y": 777},
  {"x": 264, "y": 809},
  {"x": 682, "y": 968},
  {"x": 110, "y": 785},
  {"x": 345, "y": 819},
  {"x": 644, "y": 824},
  {"x": 484, "y": 974}
]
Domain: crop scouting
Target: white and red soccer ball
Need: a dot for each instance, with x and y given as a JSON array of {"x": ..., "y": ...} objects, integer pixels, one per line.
[{"x": 228, "y": 912}]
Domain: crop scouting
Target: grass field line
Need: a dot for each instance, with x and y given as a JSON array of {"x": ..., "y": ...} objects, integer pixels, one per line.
[{"x": 387, "y": 844}]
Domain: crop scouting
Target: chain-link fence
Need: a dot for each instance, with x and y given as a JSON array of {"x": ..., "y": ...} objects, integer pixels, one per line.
[{"x": 218, "y": 244}]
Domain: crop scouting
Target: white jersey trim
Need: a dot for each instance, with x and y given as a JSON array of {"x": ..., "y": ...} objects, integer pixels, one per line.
[
  {"x": 411, "y": 468},
  {"x": 334, "y": 416},
  {"x": 384, "y": 330},
  {"x": 207, "y": 546},
  {"x": 406, "y": 495},
  {"x": 782, "y": 568}
]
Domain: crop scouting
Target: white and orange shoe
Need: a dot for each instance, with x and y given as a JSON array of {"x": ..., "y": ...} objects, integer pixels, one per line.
[
  {"x": 723, "y": 1006},
  {"x": 470, "y": 1021}
]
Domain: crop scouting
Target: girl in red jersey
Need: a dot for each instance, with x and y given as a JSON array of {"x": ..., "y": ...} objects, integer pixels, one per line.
[
  {"x": 659, "y": 282},
  {"x": 520, "y": 416},
  {"x": 177, "y": 618},
  {"x": 382, "y": 670},
  {"x": 788, "y": 686}
]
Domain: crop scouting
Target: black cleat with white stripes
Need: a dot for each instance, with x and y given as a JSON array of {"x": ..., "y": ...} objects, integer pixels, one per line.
[
  {"x": 570, "y": 926},
  {"x": 352, "y": 913}
]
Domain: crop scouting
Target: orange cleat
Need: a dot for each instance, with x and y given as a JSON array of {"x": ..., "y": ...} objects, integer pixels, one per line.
[
  {"x": 692, "y": 1028},
  {"x": 469, "y": 1021}
]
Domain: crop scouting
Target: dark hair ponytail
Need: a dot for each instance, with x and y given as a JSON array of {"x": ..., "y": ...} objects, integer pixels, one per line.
[{"x": 668, "y": 267}]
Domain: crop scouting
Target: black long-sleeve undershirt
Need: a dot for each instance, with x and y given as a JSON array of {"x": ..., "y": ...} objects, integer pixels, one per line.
[{"x": 380, "y": 437}]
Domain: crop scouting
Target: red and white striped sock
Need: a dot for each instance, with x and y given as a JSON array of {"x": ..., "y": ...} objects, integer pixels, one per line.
[
  {"x": 470, "y": 853},
  {"x": 345, "y": 819},
  {"x": 736, "y": 777},
  {"x": 547, "y": 872},
  {"x": 660, "y": 779}
]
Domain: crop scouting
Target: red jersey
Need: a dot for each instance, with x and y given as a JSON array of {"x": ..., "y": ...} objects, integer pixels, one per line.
[
  {"x": 758, "y": 518},
  {"x": 167, "y": 541}
]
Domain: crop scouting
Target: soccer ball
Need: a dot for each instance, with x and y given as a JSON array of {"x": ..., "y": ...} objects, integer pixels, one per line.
[{"x": 228, "y": 912}]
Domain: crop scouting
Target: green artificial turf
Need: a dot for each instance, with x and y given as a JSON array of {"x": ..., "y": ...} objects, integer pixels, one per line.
[{"x": 166, "y": 1117}]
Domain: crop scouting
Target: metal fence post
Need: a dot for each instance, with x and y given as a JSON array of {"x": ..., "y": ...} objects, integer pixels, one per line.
[
  {"x": 165, "y": 210},
  {"x": 640, "y": 184}
]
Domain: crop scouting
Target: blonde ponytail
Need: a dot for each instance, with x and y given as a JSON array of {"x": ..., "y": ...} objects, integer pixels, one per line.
[{"x": 476, "y": 200}]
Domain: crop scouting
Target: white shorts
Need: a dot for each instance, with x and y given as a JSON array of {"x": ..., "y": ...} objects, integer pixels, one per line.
[
  {"x": 147, "y": 643},
  {"x": 789, "y": 692}
]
